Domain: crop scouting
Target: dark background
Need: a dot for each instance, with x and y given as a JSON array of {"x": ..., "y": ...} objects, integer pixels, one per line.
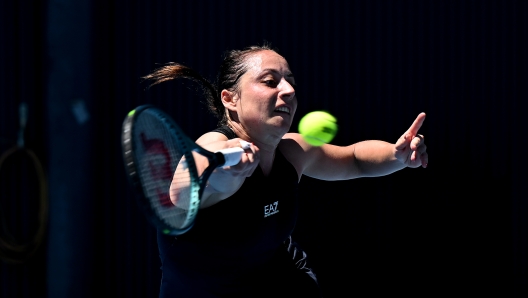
[{"x": 458, "y": 228}]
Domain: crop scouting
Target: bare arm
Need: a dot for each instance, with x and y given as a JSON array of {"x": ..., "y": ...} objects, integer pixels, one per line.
[
  {"x": 363, "y": 159},
  {"x": 223, "y": 182}
]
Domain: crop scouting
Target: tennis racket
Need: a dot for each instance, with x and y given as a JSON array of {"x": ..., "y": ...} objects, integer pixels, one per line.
[{"x": 156, "y": 153}]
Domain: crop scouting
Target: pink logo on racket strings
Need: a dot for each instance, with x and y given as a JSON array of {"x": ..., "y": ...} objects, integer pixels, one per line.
[{"x": 159, "y": 171}]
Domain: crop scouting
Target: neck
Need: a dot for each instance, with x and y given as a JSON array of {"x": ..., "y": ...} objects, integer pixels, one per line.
[{"x": 267, "y": 144}]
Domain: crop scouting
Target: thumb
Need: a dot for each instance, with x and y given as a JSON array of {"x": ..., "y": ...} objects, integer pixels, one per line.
[{"x": 403, "y": 142}]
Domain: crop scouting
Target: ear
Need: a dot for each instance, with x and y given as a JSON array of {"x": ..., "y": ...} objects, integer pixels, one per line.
[{"x": 229, "y": 99}]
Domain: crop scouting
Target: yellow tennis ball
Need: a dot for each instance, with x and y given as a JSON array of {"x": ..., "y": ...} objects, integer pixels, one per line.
[{"x": 318, "y": 128}]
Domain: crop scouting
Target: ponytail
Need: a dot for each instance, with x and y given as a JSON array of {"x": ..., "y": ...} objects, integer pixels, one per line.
[{"x": 171, "y": 71}]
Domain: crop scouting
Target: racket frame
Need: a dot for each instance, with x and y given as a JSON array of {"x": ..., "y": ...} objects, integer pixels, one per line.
[{"x": 186, "y": 147}]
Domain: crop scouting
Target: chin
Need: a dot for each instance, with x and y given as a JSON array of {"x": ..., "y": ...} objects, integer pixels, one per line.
[
  {"x": 282, "y": 126},
  {"x": 286, "y": 127}
]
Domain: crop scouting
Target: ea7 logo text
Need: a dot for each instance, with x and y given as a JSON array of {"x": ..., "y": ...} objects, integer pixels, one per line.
[{"x": 271, "y": 209}]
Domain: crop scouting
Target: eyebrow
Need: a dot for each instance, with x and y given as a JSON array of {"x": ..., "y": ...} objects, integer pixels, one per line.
[{"x": 289, "y": 75}]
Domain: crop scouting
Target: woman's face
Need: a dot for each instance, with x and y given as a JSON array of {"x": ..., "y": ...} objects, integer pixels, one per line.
[{"x": 266, "y": 101}]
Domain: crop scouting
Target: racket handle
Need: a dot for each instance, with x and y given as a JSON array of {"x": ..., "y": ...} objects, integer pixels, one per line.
[{"x": 233, "y": 155}]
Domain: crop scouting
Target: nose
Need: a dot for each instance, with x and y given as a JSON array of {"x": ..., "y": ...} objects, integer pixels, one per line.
[{"x": 287, "y": 91}]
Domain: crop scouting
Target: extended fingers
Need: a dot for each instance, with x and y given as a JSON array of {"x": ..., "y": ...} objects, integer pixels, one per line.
[
  {"x": 417, "y": 124},
  {"x": 410, "y": 135}
]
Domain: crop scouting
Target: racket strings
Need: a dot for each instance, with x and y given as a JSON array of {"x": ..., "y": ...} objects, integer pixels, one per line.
[{"x": 166, "y": 174}]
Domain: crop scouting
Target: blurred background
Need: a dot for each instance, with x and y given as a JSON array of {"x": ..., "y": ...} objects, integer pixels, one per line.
[{"x": 71, "y": 227}]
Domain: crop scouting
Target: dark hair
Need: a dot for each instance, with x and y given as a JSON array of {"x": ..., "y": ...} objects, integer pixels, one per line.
[{"x": 232, "y": 68}]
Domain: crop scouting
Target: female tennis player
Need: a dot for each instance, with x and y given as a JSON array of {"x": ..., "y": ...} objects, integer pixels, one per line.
[{"x": 240, "y": 244}]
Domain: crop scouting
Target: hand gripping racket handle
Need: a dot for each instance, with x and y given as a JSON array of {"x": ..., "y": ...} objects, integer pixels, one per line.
[{"x": 232, "y": 156}]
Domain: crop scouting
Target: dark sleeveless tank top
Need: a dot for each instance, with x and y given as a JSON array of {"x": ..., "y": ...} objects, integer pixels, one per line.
[{"x": 236, "y": 242}]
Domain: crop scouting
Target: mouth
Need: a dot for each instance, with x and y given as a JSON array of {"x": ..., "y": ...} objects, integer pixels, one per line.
[{"x": 282, "y": 110}]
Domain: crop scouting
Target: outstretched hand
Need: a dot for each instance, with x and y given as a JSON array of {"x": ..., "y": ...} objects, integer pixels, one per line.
[{"x": 411, "y": 148}]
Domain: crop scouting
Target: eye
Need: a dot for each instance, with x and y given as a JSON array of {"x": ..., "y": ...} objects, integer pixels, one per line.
[{"x": 270, "y": 83}]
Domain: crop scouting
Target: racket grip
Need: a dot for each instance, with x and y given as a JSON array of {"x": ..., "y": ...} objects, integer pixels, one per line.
[
  {"x": 232, "y": 156},
  {"x": 245, "y": 145}
]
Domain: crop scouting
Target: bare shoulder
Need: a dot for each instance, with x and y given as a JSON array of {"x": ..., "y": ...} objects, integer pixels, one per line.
[
  {"x": 292, "y": 143},
  {"x": 210, "y": 137},
  {"x": 299, "y": 153}
]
